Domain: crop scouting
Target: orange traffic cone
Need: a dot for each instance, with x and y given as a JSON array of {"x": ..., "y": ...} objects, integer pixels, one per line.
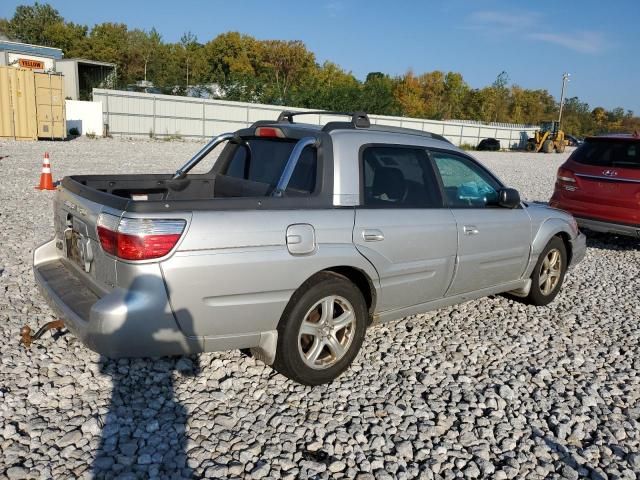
[{"x": 46, "y": 180}]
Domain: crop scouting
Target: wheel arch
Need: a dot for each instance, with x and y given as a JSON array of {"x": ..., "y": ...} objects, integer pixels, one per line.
[
  {"x": 360, "y": 278},
  {"x": 552, "y": 227}
]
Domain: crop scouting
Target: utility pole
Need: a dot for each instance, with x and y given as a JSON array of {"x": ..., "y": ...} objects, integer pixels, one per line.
[{"x": 565, "y": 79}]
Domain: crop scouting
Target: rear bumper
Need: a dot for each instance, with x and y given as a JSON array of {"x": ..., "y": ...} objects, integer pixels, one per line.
[
  {"x": 137, "y": 322},
  {"x": 609, "y": 227}
]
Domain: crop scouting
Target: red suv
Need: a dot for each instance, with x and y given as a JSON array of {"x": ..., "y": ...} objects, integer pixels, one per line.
[{"x": 600, "y": 184}]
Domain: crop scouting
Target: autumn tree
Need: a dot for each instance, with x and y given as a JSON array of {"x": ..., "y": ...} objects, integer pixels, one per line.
[
  {"x": 285, "y": 65},
  {"x": 409, "y": 95}
]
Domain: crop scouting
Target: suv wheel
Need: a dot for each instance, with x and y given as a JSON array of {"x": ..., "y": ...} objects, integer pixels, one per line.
[
  {"x": 548, "y": 273},
  {"x": 321, "y": 330}
]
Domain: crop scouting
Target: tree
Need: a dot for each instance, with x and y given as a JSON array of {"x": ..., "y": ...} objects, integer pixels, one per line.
[
  {"x": 285, "y": 64},
  {"x": 145, "y": 46},
  {"x": 376, "y": 95},
  {"x": 455, "y": 91},
  {"x": 409, "y": 95},
  {"x": 599, "y": 116},
  {"x": 29, "y": 23},
  {"x": 70, "y": 37},
  {"x": 433, "y": 93},
  {"x": 328, "y": 88}
]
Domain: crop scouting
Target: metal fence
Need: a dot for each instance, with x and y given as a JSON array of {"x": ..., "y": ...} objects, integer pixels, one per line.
[{"x": 134, "y": 114}]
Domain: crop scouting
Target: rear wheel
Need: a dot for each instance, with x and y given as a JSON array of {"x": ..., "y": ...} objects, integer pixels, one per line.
[
  {"x": 548, "y": 274},
  {"x": 547, "y": 146},
  {"x": 560, "y": 147},
  {"x": 531, "y": 146},
  {"x": 321, "y": 330}
]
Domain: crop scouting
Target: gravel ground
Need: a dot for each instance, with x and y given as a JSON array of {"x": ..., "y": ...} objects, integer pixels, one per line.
[{"x": 490, "y": 388}]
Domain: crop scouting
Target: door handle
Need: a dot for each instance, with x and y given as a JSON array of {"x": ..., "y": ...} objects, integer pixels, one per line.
[
  {"x": 372, "y": 235},
  {"x": 470, "y": 230}
]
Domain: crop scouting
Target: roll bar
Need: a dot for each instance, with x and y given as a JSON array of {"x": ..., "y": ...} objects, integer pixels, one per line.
[
  {"x": 290, "y": 166},
  {"x": 204, "y": 151}
]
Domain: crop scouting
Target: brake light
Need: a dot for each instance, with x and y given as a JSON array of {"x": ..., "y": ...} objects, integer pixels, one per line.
[
  {"x": 566, "y": 179},
  {"x": 138, "y": 238},
  {"x": 269, "y": 132}
]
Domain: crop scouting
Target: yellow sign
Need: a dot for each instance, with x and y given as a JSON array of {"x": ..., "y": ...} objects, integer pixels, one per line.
[{"x": 32, "y": 64}]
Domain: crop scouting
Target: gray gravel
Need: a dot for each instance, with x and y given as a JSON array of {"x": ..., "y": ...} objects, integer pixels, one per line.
[{"x": 490, "y": 388}]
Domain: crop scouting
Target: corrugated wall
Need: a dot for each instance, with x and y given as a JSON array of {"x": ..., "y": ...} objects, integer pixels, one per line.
[{"x": 144, "y": 114}]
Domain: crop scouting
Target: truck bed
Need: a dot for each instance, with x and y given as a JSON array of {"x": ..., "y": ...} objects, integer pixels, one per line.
[{"x": 160, "y": 192}]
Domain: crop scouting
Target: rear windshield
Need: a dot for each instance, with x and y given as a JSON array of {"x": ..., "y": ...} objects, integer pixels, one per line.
[
  {"x": 609, "y": 153},
  {"x": 263, "y": 159}
]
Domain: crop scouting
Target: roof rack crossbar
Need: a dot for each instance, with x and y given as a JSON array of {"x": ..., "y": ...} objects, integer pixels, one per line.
[{"x": 358, "y": 119}]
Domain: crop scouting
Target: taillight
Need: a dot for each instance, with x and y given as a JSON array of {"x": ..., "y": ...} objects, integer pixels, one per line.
[
  {"x": 107, "y": 232},
  {"x": 138, "y": 238},
  {"x": 566, "y": 179}
]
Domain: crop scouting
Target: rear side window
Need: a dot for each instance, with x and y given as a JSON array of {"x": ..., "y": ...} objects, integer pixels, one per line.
[
  {"x": 608, "y": 153},
  {"x": 398, "y": 177},
  {"x": 263, "y": 160}
]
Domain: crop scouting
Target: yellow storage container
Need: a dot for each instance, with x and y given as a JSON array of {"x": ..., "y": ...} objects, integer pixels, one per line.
[
  {"x": 17, "y": 104},
  {"x": 50, "y": 105}
]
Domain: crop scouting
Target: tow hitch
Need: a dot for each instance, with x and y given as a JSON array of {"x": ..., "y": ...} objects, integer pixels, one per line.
[{"x": 25, "y": 332}]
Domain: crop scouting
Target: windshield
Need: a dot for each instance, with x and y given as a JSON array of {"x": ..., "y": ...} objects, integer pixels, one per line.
[
  {"x": 263, "y": 160},
  {"x": 609, "y": 153}
]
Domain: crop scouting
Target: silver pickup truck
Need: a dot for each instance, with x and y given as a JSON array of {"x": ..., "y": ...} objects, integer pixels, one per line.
[{"x": 298, "y": 239}]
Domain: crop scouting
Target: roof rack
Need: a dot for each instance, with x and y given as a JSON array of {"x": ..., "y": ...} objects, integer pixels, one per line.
[{"x": 358, "y": 119}]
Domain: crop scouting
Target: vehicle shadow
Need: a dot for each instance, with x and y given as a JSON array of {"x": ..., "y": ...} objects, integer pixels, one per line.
[
  {"x": 144, "y": 429},
  {"x": 610, "y": 241}
]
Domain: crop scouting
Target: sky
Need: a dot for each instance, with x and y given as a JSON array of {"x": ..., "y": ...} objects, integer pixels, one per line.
[{"x": 597, "y": 42}]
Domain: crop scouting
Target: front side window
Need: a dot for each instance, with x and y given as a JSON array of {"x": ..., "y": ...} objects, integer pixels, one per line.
[
  {"x": 398, "y": 177},
  {"x": 466, "y": 184}
]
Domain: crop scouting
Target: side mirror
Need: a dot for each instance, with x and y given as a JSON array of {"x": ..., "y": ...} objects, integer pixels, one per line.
[{"x": 508, "y": 198}]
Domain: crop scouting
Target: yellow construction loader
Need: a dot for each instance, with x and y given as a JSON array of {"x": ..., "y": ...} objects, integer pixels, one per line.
[{"x": 548, "y": 139}]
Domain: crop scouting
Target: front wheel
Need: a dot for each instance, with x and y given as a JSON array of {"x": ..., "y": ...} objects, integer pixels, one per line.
[
  {"x": 321, "y": 330},
  {"x": 548, "y": 274}
]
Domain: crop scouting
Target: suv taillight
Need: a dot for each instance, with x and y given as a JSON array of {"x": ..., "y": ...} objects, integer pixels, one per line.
[
  {"x": 566, "y": 179},
  {"x": 138, "y": 238}
]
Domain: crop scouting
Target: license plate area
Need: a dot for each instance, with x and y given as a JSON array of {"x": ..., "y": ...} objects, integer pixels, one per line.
[{"x": 77, "y": 244}]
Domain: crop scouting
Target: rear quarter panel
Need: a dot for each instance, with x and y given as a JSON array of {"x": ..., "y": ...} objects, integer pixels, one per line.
[{"x": 233, "y": 274}]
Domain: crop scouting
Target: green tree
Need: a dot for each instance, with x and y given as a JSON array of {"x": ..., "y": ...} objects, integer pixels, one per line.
[
  {"x": 145, "y": 49},
  {"x": 328, "y": 88},
  {"x": 68, "y": 36},
  {"x": 376, "y": 95},
  {"x": 29, "y": 23}
]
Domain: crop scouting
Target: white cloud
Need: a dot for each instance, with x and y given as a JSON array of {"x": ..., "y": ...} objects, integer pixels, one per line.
[
  {"x": 334, "y": 8},
  {"x": 525, "y": 24},
  {"x": 504, "y": 21},
  {"x": 583, "y": 42}
]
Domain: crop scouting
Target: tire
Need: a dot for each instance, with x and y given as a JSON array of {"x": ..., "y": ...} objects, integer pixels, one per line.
[
  {"x": 547, "y": 146},
  {"x": 531, "y": 146},
  {"x": 324, "y": 352},
  {"x": 560, "y": 148},
  {"x": 544, "y": 294}
]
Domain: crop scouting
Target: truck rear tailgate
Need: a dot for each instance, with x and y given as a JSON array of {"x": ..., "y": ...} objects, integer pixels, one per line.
[{"x": 76, "y": 238}]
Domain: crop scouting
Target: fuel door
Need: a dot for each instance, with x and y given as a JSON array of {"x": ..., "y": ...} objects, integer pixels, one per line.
[{"x": 301, "y": 239}]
